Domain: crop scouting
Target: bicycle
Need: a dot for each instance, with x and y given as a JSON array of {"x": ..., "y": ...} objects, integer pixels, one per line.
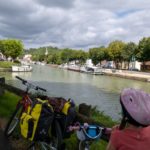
[
  {"x": 86, "y": 134},
  {"x": 21, "y": 107}
]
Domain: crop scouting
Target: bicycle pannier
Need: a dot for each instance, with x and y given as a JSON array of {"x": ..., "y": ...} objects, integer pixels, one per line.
[
  {"x": 67, "y": 108},
  {"x": 35, "y": 123}
]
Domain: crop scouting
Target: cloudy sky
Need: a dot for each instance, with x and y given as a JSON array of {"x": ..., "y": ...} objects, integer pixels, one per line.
[{"x": 79, "y": 24}]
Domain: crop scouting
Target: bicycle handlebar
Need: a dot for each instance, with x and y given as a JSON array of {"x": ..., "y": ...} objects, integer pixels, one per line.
[
  {"x": 25, "y": 82},
  {"x": 39, "y": 88},
  {"x": 84, "y": 128},
  {"x": 101, "y": 129}
]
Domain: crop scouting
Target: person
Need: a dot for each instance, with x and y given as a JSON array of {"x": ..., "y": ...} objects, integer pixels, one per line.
[{"x": 134, "y": 131}]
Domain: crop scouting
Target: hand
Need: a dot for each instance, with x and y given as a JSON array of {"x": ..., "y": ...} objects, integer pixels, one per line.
[
  {"x": 115, "y": 127},
  {"x": 85, "y": 125}
]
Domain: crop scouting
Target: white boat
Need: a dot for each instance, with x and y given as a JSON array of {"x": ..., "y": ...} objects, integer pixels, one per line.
[
  {"x": 91, "y": 70},
  {"x": 63, "y": 66},
  {"x": 22, "y": 68},
  {"x": 84, "y": 69},
  {"x": 74, "y": 67}
]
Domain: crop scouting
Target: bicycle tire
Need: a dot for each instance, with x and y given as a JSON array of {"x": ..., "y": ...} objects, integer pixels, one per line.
[
  {"x": 57, "y": 139},
  {"x": 39, "y": 146},
  {"x": 43, "y": 146},
  {"x": 10, "y": 127},
  {"x": 83, "y": 145}
]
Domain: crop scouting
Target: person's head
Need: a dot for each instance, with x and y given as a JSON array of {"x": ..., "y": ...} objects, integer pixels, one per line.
[{"x": 136, "y": 107}]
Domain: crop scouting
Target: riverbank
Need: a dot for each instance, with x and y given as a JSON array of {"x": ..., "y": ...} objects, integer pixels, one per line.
[
  {"x": 7, "y": 105},
  {"x": 5, "y": 69},
  {"x": 135, "y": 75}
]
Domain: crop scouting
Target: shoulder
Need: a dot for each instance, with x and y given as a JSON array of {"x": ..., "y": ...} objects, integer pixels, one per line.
[
  {"x": 146, "y": 131},
  {"x": 116, "y": 137},
  {"x": 116, "y": 132}
]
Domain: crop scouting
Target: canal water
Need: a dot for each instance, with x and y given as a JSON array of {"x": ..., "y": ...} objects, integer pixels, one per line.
[{"x": 97, "y": 90}]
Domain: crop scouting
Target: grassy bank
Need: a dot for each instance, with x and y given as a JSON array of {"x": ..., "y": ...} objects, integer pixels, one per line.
[
  {"x": 6, "y": 64},
  {"x": 7, "y": 105},
  {"x": 8, "y": 102}
]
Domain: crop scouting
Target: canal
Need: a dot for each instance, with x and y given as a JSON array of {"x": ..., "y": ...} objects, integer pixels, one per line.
[{"x": 101, "y": 91}]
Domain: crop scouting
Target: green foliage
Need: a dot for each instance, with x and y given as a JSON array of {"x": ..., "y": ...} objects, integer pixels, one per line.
[
  {"x": 8, "y": 103},
  {"x": 70, "y": 55},
  {"x": 6, "y": 64},
  {"x": 101, "y": 117},
  {"x": 129, "y": 51},
  {"x": 93, "y": 54},
  {"x": 143, "y": 51},
  {"x": 54, "y": 59},
  {"x": 98, "y": 54},
  {"x": 114, "y": 50},
  {"x": 65, "y": 55},
  {"x": 11, "y": 47}
]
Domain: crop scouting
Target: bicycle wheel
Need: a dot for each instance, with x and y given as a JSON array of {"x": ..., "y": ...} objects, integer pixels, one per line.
[
  {"x": 40, "y": 146},
  {"x": 13, "y": 122},
  {"x": 84, "y": 145},
  {"x": 57, "y": 137}
]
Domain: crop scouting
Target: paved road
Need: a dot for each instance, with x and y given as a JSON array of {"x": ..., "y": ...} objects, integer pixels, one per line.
[{"x": 4, "y": 143}]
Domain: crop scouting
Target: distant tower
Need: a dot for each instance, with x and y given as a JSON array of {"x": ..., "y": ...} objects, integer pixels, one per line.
[{"x": 46, "y": 52}]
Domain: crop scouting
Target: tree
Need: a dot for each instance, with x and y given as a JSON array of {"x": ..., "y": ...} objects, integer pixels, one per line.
[
  {"x": 65, "y": 55},
  {"x": 114, "y": 50},
  {"x": 128, "y": 52},
  {"x": 81, "y": 56},
  {"x": 55, "y": 59},
  {"x": 143, "y": 51},
  {"x": 11, "y": 47}
]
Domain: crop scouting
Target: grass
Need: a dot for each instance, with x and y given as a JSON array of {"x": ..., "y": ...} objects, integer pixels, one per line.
[
  {"x": 9, "y": 100},
  {"x": 101, "y": 117},
  {"x": 6, "y": 64},
  {"x": 8, "y": 103}
]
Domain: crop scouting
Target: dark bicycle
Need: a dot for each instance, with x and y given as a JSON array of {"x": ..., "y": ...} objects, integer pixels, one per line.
[{"x": 22, "y": 105}]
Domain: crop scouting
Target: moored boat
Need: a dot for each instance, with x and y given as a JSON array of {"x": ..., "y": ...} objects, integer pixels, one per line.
[
  {"x": 74, "y": 67},
  {"x": 22, "y": 68}
]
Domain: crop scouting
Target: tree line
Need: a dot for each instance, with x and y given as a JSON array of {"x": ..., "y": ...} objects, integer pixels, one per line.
[{"x": 116, "y": 51}]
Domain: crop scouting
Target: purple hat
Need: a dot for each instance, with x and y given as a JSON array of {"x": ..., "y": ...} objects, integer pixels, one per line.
[{"x": 137, "y": 104}]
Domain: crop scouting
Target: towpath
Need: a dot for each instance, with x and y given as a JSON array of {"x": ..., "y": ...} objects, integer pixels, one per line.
[{"x": 142, "y": 76}]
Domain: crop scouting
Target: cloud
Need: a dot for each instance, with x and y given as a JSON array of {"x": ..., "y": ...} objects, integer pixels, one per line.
[
  {"x": 57, "y": 3},
  {"x": 74, "y": 24}
]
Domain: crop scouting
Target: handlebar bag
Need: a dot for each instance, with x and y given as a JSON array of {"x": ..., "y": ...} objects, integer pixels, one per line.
[
  {"x": 91, "y": 133},
  {"x": 35, "y": 123}
]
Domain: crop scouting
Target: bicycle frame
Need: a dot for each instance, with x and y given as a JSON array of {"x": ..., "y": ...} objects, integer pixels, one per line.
[
  {"x": 26, "y": 101},
  {"x": 21, "y": 106}
]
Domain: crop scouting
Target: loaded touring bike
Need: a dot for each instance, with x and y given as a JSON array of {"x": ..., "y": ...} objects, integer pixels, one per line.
[{"x": 55, "y": 138}]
